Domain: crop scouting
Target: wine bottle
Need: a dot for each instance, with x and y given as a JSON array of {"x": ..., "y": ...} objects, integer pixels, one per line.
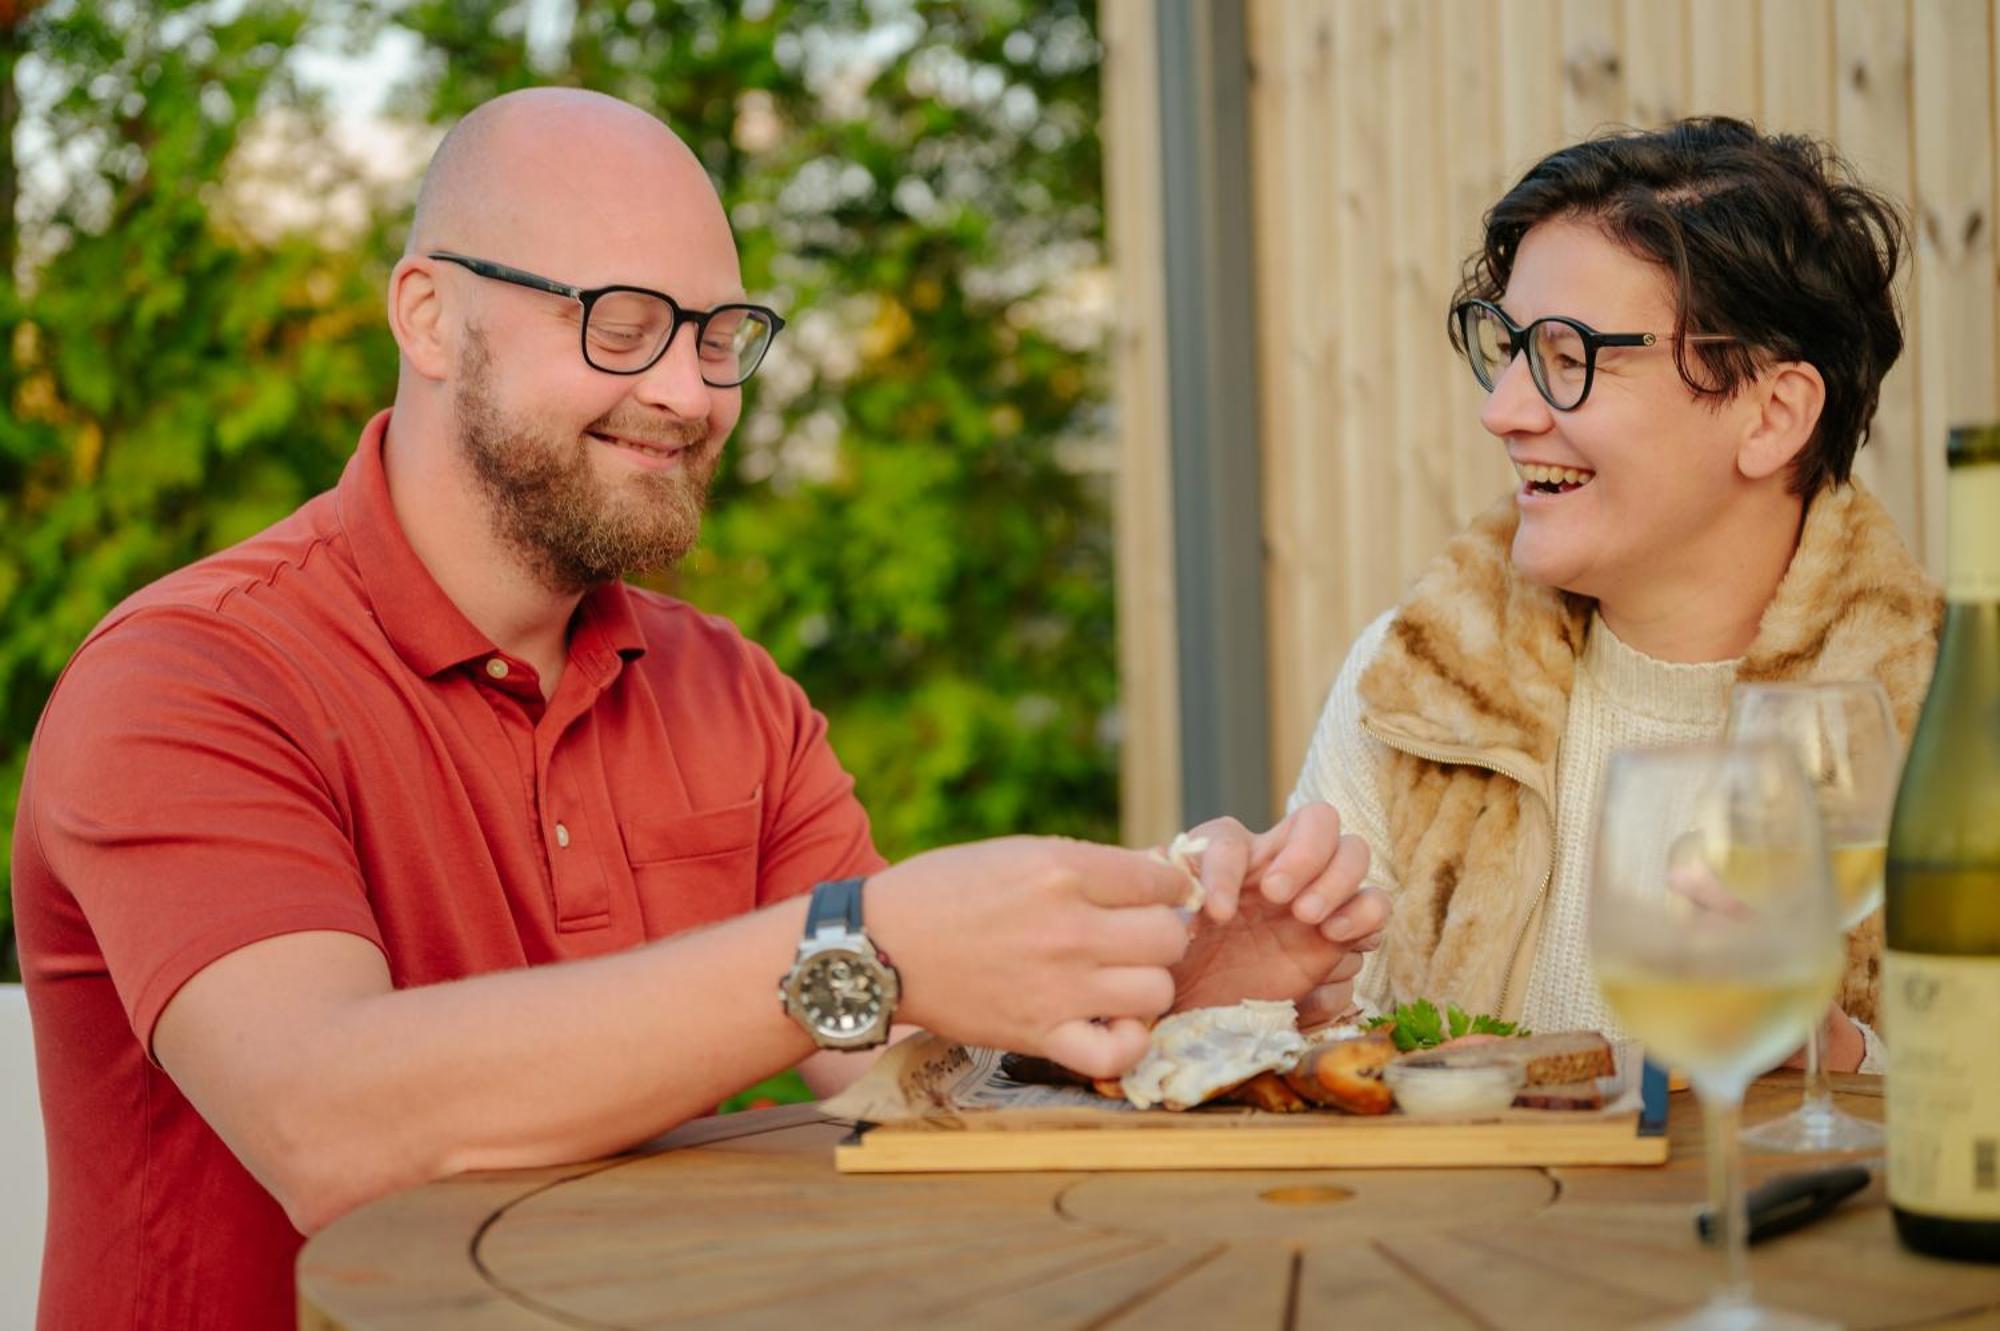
[{"x": 1941, "y": 968}]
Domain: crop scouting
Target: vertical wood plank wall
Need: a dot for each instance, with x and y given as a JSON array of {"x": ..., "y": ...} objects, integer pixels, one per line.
[
  {"x": 1382, "y": 129},
  {"x": 1142, "y": 502}
]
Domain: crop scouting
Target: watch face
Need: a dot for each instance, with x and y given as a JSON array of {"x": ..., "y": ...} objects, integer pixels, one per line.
[{"x": 839, "y": 994}]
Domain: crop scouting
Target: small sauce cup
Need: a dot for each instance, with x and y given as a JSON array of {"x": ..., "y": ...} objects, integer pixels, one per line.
[{"x": 1482, "y": 1088}]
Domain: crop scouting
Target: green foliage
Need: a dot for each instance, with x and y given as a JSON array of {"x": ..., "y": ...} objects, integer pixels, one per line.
[
  {"x": 939, "y": 583},
  {"x": 787, "y": 1088},
  {"x": 1420, "y": 1025},
  {"x": 898, "y": 519},
  {"x": 174, "y": 384}
]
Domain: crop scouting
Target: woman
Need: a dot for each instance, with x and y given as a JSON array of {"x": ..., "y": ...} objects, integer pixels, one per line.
[{"x": 1707, "y": 315}]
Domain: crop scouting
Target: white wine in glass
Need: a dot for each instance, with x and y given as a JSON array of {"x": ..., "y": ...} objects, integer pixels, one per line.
[
  {"x": 1844, "y": 735},
  {"x": 1857, "y": 878},
  {"x": 1716, "y": 939}
]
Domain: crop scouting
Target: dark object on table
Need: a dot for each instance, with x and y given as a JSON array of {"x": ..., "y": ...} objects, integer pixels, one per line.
[
  {"x": 1028, "y": 1070},
  {"x": 1790, "y": 1201}
]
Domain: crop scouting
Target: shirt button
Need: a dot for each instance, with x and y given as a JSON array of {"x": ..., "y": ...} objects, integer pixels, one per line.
[
  {"x": 562, "y": 836},
  {"x": 496, "y": 668}
]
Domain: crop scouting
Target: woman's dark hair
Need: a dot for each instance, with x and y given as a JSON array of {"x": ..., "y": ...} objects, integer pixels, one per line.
[{"x": 1769, "y": 238}]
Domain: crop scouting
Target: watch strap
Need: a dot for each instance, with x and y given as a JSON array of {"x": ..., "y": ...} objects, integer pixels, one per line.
[{"x": 835, "y": 908}]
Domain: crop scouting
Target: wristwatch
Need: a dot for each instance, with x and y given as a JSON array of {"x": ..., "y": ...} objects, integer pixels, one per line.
[{"x": 840, "y": 988}]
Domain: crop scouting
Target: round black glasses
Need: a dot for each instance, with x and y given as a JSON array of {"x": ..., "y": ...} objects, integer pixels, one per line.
[
  {"x": 1562, "y": 352},
  {"x": 625, "y": 330}
]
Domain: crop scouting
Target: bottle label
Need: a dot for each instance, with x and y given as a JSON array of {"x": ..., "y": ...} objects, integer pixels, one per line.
[
  {"x": 1943, "y": 1087},
  {"x": 1972, "y": 534}
]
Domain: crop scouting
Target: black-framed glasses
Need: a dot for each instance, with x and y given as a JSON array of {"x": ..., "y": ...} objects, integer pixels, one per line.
[
  {"x": 625, "y": 330},
  {"x": 1562, "y": 352}
]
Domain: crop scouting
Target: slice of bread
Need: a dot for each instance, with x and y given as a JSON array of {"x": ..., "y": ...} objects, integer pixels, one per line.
[
  {"x": 1573, "y": 1095},
  {"x": 1554, "y": 1059}
]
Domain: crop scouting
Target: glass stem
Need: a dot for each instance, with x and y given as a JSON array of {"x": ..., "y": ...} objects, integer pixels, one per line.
[
  {"x": 1819, "y": 1087},
  {"x": 1720, "y": 1111}
]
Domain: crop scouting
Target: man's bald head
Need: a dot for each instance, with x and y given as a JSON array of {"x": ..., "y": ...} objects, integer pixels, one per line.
[
  {"x": 577, "y": 472},
  {"x": 561, "y": 176}
]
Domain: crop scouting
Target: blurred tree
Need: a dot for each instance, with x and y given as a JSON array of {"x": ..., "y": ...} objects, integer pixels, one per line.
[
  {"x": 174, "y": 383},
  {"x": 918, "y": 185},
  {"x": 908, "y": 518}
]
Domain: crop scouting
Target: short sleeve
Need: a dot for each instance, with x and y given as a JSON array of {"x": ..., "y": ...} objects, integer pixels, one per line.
[
  {"x": 174, "y": 793},
  {"x": 815, "y": 829}
]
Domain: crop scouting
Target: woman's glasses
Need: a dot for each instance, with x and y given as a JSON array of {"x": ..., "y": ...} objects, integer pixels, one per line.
[{"x": 1562, "y": 352}]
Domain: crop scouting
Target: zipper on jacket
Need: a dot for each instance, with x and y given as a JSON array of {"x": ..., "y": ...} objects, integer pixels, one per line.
[{"x": 1514, "y": 957}]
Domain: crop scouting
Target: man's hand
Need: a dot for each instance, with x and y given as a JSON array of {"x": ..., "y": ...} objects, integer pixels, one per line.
[
  {"x": 1286, "y": 917},
  {"x": 1036, "y": 945}
]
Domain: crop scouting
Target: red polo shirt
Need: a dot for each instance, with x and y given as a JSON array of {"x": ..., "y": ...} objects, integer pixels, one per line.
[{"x": 303, "y": 732}]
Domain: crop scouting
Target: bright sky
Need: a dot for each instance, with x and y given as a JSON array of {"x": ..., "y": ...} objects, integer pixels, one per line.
[{"x": 357, "y": 84}]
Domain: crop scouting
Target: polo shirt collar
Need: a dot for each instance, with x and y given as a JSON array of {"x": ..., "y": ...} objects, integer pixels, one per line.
[
  {"x": 607, "y": 616},
  {"x": 424, "y": 625}
]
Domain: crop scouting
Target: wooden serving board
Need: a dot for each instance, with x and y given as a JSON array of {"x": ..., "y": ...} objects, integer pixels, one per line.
[
  {"x": 1003, "y": 1140},
  {"x": 1213, "y": 1141}
]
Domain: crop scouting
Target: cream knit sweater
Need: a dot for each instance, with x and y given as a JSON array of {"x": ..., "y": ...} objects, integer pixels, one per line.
[{"x": 1621, "y": 698}]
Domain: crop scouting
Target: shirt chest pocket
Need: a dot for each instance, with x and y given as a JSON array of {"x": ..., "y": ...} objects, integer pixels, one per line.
[{"x": 695, "y": 868}]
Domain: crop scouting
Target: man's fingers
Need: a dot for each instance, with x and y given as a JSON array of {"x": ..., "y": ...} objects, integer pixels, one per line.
[
  {"x": 1108, "y": 1049},
  {"x": 1137, "y": 936},
  {"x": 1110, "y": 876},
  {"x": 1143, "y": 992},
  {"x": 1295, "y": 853}
]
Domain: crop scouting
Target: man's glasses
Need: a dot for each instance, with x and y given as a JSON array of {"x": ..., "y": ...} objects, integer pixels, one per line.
[
  {"x": 625, "y": 330},
  {"x": 1562, "y": 352}
]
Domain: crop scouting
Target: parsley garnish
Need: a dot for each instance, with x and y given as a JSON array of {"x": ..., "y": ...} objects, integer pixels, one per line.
[{"x": 1419, "y": 1025}]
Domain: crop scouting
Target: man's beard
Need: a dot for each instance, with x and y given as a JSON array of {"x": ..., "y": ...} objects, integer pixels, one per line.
[{"x": 570, "y": 528}]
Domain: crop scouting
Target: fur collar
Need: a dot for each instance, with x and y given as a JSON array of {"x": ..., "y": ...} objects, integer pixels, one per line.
[
  {"x": 1471, "y": 691},
  {"x": 1478, "y": 660}
]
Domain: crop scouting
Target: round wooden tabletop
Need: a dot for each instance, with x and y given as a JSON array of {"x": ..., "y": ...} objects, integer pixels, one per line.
[{"x": 742, "y": 1222}]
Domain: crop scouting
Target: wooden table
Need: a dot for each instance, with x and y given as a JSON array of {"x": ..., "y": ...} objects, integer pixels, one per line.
[{"x": 741, "y": 1222}]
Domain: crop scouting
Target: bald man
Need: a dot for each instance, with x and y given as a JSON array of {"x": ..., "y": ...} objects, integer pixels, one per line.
[{"x": 405, "y": 839}]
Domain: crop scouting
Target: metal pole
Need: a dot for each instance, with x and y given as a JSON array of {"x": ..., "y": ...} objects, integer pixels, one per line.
[{"x": 1212, "y": 410}]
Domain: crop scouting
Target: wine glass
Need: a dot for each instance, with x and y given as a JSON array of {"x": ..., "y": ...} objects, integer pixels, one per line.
[
  {"x": 1845, "y": 736},
  {"x": 1716, "y": 941}
]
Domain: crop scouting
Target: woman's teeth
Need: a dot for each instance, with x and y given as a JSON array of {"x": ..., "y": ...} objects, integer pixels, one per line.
[{"x": 1553, "y": 480}]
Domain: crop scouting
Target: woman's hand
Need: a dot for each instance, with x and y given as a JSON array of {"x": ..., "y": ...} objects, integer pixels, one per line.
[
  {"x": 1302, "y": 863},
  {"x": 1286, "y": 917},
  {"x": 1845, "y": 1045}
]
